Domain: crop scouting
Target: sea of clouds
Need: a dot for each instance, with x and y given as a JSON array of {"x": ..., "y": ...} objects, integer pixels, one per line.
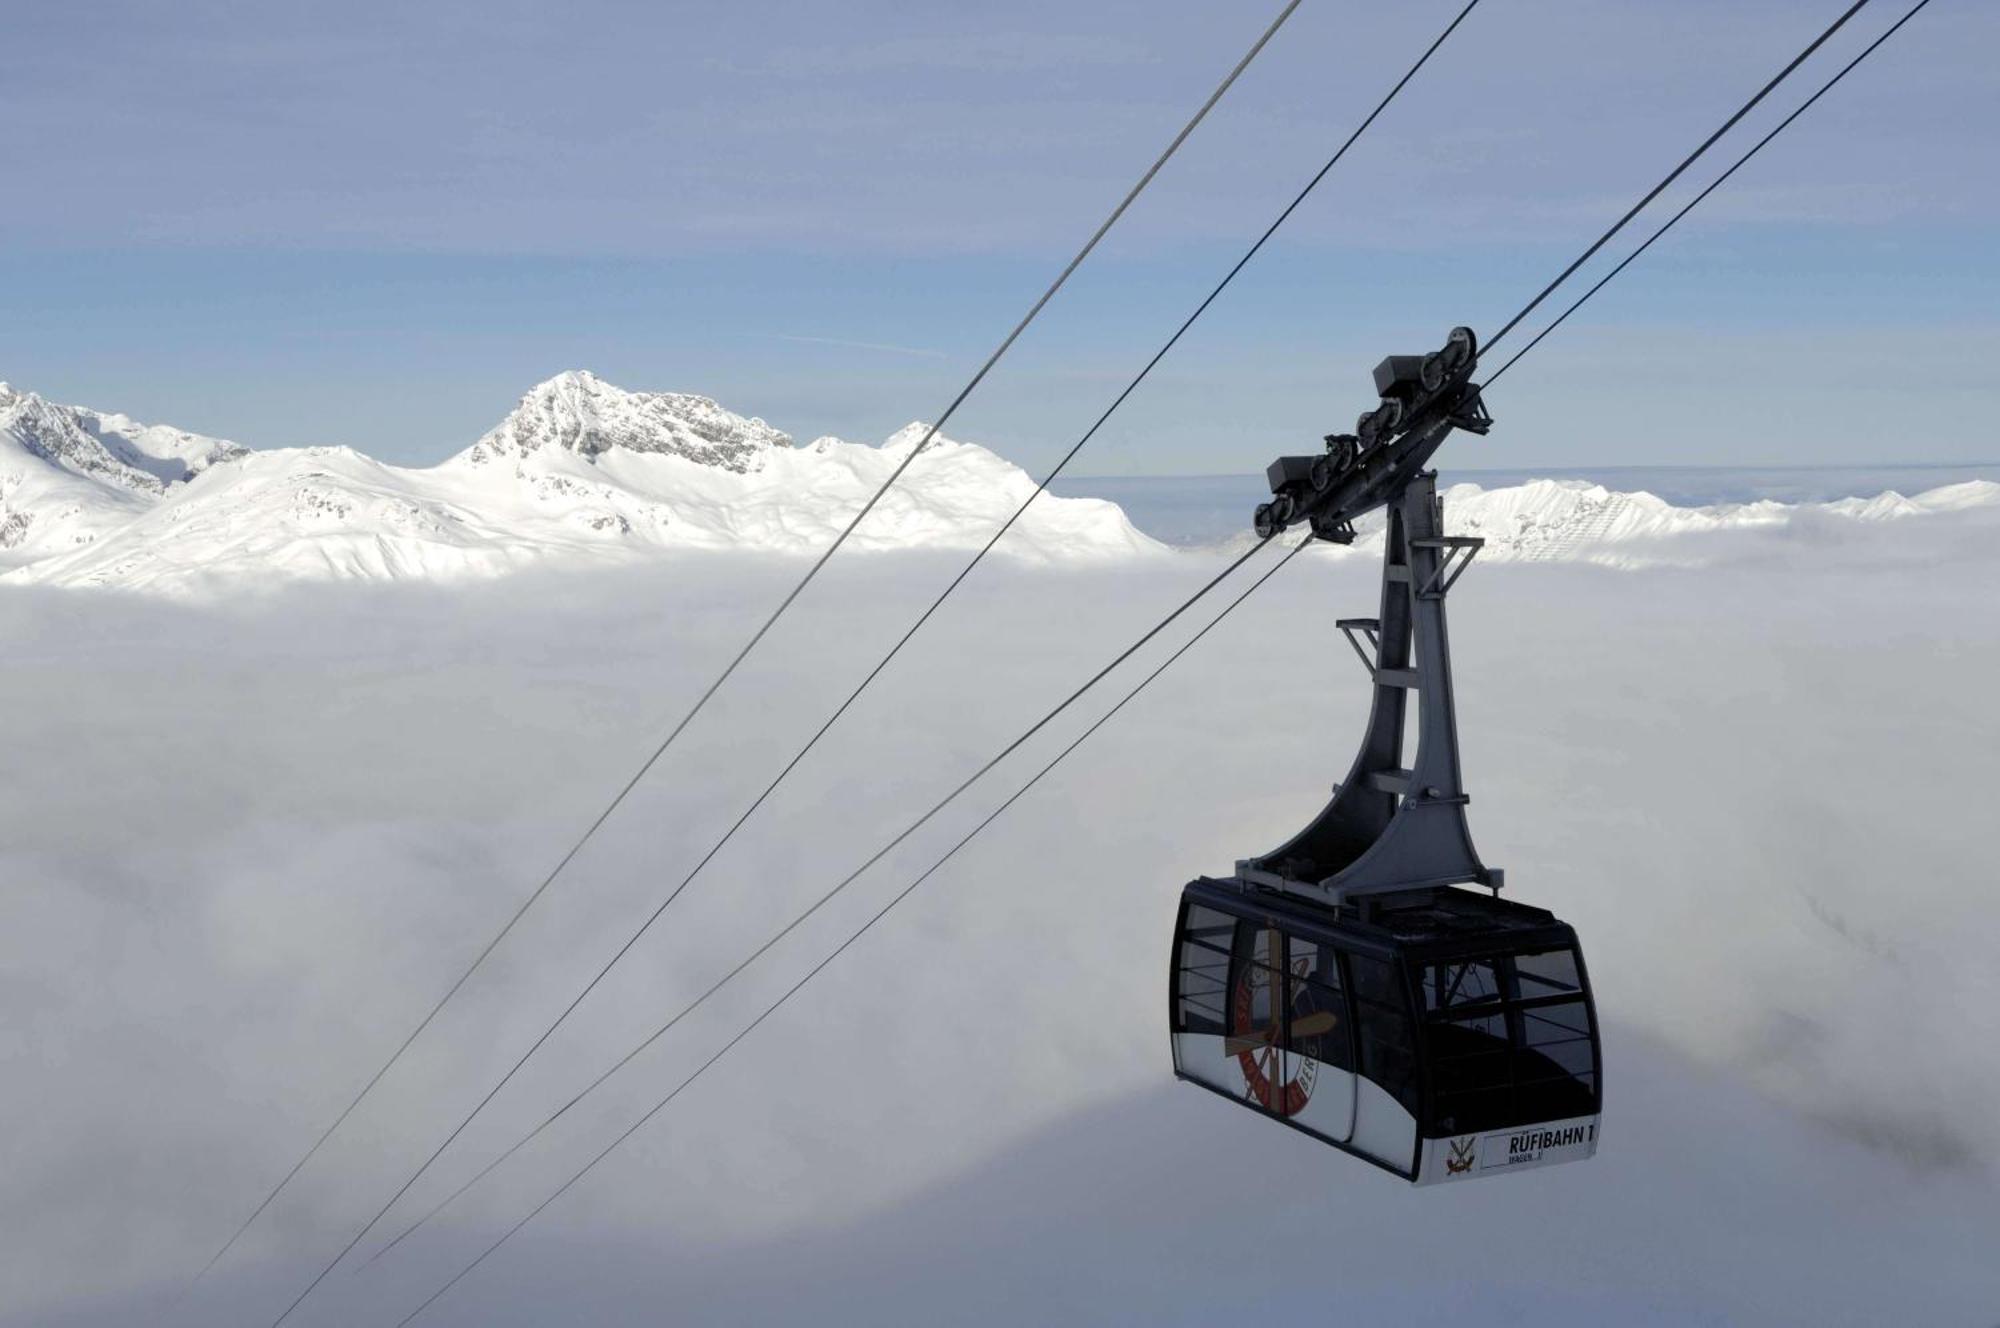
[{"x": 245, "y": 846}]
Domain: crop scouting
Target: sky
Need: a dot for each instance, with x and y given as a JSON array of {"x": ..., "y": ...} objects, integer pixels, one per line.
[{"x": 378, "y": 224}]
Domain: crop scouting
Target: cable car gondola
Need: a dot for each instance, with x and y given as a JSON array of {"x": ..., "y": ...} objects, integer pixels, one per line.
[{"x": 1349, "y": 983}]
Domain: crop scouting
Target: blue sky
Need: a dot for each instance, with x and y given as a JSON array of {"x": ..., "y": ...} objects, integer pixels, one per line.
[{"x": 377, "y": 225}]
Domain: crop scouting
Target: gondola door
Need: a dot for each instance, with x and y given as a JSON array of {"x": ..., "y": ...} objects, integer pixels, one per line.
[
  {"x": 1288, "y": 1033},
  {"x": 1318, "y": 1062},
  {"x": 1256, "y": 1037},
  {"x": 1262, "y": 1016}
]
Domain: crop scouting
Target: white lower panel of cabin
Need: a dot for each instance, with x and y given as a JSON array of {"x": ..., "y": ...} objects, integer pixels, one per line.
[
  {"x": 1329, "y": 1101},
  {"x": 1464, "y": 1156}
]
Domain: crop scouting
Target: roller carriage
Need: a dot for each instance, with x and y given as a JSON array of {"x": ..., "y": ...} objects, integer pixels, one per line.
[{"x": 1355, "y": 983}]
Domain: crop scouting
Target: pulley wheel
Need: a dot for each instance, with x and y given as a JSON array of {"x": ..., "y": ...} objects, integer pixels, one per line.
[
  {"x": 1433, "y": 372},
  {"x": 1460, "y": 349}
]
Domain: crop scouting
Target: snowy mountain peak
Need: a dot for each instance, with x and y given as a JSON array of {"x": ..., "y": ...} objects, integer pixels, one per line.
[
  {"x": 69, "y": 475},
  {"x": 55, "y": 435},
  {"x": 578, "y": 412},
  {"x": 112, "y": 449},
  {"x": 907, "y": 437},
  {"x": 582, "y": 472}
]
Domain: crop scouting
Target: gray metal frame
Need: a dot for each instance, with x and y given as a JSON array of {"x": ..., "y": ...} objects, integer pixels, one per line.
[{"x": 1391, "y": 828}]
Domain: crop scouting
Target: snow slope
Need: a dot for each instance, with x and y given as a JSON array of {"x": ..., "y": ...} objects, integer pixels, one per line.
[
  {"x": 1574, "y": 520},
  {"x": 584, "y": 473},
  {"x": 580, "y": 472},
  {"x": 70, "y": 476},
  {"x": 1578, "y": 521}
]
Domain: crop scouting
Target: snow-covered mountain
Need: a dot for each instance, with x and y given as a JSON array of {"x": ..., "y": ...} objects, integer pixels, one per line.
[
  {"x": 580, "y": 412},
  {"x": 70, "y": 476},
  {"x": 1578, "y": 521},
  {"x": 1574, "y": 520},
  {"x": 581, "y": 471}
]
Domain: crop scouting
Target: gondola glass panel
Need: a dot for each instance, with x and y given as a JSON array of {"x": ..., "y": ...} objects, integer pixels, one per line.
[
  {"x": 1510, "y": 1042},
  {"x": 1386, "y": 1098},
  {"x": 1202, "y": 977},
  {"x": 1264, "y": 1021},
  {"x": 1319, "y": 1059}
]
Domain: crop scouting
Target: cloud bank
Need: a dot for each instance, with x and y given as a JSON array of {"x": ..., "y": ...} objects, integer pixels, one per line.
[{"x": 247, "y": 846}]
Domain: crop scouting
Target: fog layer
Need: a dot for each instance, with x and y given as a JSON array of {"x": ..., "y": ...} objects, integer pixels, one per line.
[{"x": 244, "y": 848}]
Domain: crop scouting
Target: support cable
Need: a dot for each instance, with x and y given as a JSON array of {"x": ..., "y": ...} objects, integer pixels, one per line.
[
  {"x": 1126, "y": 202},
  {"x": 881, "y": 853},
  {"x": 1668, "y": 225},
  {"x": 816, "y": 969},
  {"x": 918, "y": 625},
  {"x": 793, "y": 925},
  {"x": 685, "y": 1083},
  {"x": 1674, "y": 174}
]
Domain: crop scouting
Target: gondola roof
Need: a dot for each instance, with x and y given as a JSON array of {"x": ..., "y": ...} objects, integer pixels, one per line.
[{"x": 1435, "y": 922}]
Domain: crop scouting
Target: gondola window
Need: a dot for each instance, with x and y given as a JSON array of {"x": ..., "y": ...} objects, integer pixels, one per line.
[
  {"x": 1202, "y": 980},
  {"x": 1388, "y": 1043},
  {"x": 1524, "y": 1050}
]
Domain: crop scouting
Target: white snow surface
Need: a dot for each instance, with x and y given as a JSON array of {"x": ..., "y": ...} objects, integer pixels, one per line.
[
  {"x": 70, "y": 475},
  {"x": 1578, "y": 521},
  {"x": 583, "y": 474},
  {"x": 1568, "y": 520},
  {"x": 580, "y": 473}
]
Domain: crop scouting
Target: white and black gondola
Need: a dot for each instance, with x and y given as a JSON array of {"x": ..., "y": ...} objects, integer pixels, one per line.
[{"x": 1365, "y": 982}]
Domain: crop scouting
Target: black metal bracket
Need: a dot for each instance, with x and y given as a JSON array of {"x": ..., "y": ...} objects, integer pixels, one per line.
[
  {"x": 1458, "y": 552},
  {"x": 1369, "y": 627},
  {"x": 1471, "y": 415},
  {"x": 1422, "y": 399}
]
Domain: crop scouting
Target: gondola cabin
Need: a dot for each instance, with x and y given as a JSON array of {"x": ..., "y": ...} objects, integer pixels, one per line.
[
  {"x": 1444, "y": 1036},
  {"x": 1364, "y": 981}
]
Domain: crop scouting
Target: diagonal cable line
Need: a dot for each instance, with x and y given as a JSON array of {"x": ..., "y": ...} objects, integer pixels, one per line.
[
  {"x": 881, "y": 853},
  {"x": 913, "y": 631},
  {"x": 812, "y": 572},
  {"x": 1050, "y": 478},
  {"x": 661, "y": 1105},
  {"x": 772, "y": 941},
  {"x": 1668, "y": 225},
  {"x": 1675, "y": 173},
  {"x": 816, "y": 969}
]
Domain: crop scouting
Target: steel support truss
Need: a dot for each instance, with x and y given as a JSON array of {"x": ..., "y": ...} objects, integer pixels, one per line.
[{"x": 1392, "y": 827}]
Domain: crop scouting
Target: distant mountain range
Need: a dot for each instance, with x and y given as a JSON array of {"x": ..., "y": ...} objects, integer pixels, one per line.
[
  {"x": 581, "y": 471},
  {"x": 584, "y": 473},
  {"x": 1572, "y": 520}
]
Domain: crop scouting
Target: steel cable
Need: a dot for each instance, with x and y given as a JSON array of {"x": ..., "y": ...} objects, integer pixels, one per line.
[
  {"x": 1040, "y": 488},
  {"x": 881, "y": 853},
  {"x": 1717, "y": 183},
  {"x": 911, "y": 632},
  {"x": 700, "y": 702},
  {"x": 813, "y": 972},
  {"x": 1675, "y": 173},
  {"x": 897, "y": 899}
]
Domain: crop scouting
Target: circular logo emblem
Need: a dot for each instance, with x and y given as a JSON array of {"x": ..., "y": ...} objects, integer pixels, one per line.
[{"x": 1262, "y": 1060}]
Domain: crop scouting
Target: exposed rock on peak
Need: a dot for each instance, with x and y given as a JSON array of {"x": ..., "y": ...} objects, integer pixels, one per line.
[
  {"x": 579, "y": 412},
  {"x": 69, "y": 475}
]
